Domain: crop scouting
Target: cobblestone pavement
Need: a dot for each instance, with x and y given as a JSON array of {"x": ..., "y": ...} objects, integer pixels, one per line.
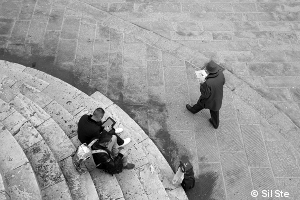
[{"x": 255, "y": 40}]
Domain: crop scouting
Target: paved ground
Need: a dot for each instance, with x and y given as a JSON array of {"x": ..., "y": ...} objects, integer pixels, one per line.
[{"x": 256, "y": 40}]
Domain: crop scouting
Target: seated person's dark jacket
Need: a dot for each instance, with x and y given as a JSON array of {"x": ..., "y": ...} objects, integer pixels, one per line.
[
  {"x": 88, "y": 129},
  {"x": 105, "y": 161}
]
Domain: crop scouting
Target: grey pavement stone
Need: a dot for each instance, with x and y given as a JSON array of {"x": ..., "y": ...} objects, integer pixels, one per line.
[
  {"x": 244, "y": 7},
  {"x": 209, "y": 183},
  {"x": 227, "y": 111},
  {"x": 3, "y": 41},
  {"x": 134, "y": 55},
  {"x": 289, "y": 185},
  {"x": 269, "y": 132},
  {"x": 193, "y": 84},
  {"x": 70, "y": 28},
  {"x": 10, "y": 9},
  {"x": 283, "y": 160},
  {"x": 101, "y": 52},
  {"x": 121, "y": 7},
  {"x": 275, "y": 94},
  {"x": 236, "y": 175},
  {"x": 89, "y": 10},
  {"x": 295, "y": 91},
  {"x": 281, "y": 122},
  {"x": 44, "y": 165},
  {"x": 229, "y": 136},
  {"x": 179, "y": 118},
  {"x": 19, "y": 32},
  {"x": 153, "y": 53},
  {"x": 155, "y": 73},
  {"x": 98, "y": 96},
  {"x": 6, "y": 26},
  {"x": 56, "y": 139},
  {"x": 171, "y": 60},
  {"x": 31, "y": 111},
  {"x": 281, "y": 81},
  {"x": 27, "y": 136},
  {"x": 218, "y": 26},
  {"x": 254, "y": 146},
  {"x": 12, "y": 155},
  {"x": 116, "y": 41},
  {"x": 42, "y": 10},
  {"x": 22, "y": 183},
  {"x": 36, "y": 31},
  {"x": 87, "y": 32},
  {"x": 176, "y": 87},
  {"x": 106, "y": 185},
  {"x": 51, "y": 42},
  {"x": 99, "y": 79},
  {"x": 245, "y": 113},
  {"x": 56, "y": 18},
  {"x": 206, "y": 142},
  {"x": 27, "y": 9},
  {"x": 66, "y": 52},
  {"x": 291, "y": 109},
  {"x": 135, "y": 85},
  {"x": 102, "y": 32},
  {"x": 57, "y": 191},
  {"x": 263, "y": 179}
]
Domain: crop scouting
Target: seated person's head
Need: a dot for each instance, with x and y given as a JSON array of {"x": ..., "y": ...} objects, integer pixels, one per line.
[
  {"x": 98, "y": 114},
  {"x": 104, "y": 139}
]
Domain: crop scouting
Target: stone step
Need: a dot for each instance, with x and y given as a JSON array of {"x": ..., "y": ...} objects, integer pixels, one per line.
[
  {"x": 81, "y": 186},
  {"x": 3, "y": 189},
  {"x": 69, "y": 125},
  {"x": 76, "y": 103},
  {"x": 146, "y": 156},
  {"x": 18, "y": 173}
]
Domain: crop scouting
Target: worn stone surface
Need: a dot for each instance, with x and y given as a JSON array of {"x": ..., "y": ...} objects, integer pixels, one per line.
[
  {"x": 12, "y": 155},
  {"x": 28, "y": 136},
  {"x": 56, "y": 139},
  {"x": 14, "y": 122},
  {"x": 5, "y": 110},
  {"x": 22, "y": 183},
  {"x": 44, "y": 165},
  {"x": 259, "y": 45},
  {"x": 32, "y": 112},
  {"x": 106, "y": 185},
  {"x": 57, "y": 191}
]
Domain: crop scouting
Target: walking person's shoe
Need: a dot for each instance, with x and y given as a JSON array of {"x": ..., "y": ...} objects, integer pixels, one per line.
[
  {"x": 129, "y": 166},
  {"x": 211, "y": 121},
  {"x": 189, "y": 108},
  {"x": 126, "y": 141}
]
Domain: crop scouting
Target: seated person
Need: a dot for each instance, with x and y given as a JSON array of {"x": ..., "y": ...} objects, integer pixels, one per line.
[
  {"x": 90, "y": 127},
  {"x": 114, "y": 158}
]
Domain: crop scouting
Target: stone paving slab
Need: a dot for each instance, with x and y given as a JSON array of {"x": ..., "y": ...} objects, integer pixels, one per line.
[
  {"x": 12, "y": 156},
  {"x": 22, "y": 183},
  {"x": 57, "y": 140}
]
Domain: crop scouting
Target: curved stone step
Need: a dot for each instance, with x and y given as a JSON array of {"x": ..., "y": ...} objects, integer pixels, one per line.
[
  {"x": 18, "y": 173},
  {"x": 145, "y": 146},
  {"x": 3, "y": 188},
  {"x": 81, "y": 186},
  {"x": 77, "y": 103}
]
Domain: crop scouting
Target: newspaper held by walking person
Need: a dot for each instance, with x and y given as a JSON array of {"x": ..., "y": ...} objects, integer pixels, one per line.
[{"x": 201, "y": 75}]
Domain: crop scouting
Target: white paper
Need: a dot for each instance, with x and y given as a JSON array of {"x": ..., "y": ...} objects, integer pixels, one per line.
[
  {"x": 201, "y": 75},
  {"x": 178, "y": 177}
]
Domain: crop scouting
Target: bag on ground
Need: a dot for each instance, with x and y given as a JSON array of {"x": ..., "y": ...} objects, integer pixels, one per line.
[{"x": 83, "y": 159}]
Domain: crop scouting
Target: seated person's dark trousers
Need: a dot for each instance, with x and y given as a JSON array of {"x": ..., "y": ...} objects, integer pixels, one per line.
[
  {"x": 214, "y": 114},
  {"x": 120, "y": 141}
]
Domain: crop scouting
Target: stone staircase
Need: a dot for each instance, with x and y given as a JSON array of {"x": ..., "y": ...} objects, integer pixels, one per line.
[{"x": 39, "y": 115}]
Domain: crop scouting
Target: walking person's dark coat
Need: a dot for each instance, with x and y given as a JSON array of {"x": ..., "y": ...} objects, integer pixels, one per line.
[{"x": 211, "y": 93}]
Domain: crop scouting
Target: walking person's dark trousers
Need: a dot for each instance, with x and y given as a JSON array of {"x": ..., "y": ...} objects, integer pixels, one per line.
[{"x": 214, "y": 114}]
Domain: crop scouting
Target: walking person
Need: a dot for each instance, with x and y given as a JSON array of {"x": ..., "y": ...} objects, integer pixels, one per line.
[{"x": 211, "y": 93}]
